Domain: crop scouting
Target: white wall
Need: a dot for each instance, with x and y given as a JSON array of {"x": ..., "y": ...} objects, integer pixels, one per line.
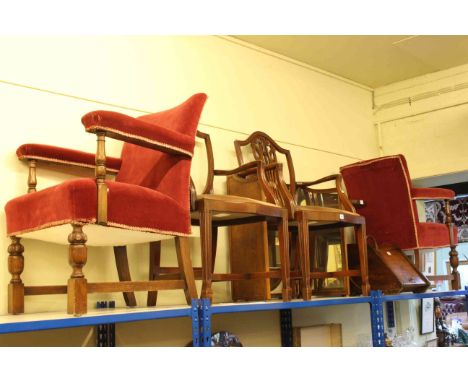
[
  {"x": 48, "y": 83},
  {"x": 431, "y": 130}
]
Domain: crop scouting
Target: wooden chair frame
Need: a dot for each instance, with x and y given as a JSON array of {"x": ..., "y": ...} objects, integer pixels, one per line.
[
  {"x": 78, "y": 287},
  {"x": 304, "y": 219},
  {"x": 210, "y": 212}
]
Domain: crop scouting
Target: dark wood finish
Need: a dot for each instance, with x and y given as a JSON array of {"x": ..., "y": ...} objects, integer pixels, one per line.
[
  {"x": 123, "y": 270},
  {"x": 77, "y": 283},
  {"x": 389, "y": 271},
  {"x": 213, "y": 211},
  {"x": 32, "y": 180},
  {"x": 15, "y": 267},
  {"x": 100, "y": 172},
  {"x": 127, "y": 286},
  {"x": 304, "y": 219},
  {"x": 43, "y": 290},
  {"x": 185, "y": 266},
  {"x": 253, "y": 248},
  {"x": 453, "y": 251},
  {"x": 154, "y": 270}
]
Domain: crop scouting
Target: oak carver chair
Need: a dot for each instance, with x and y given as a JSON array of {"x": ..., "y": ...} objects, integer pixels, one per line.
[
  {"x": 210, "y": 211},
  {"x": 147, "y": 202},
  {"x": 384, "y": 184},
  {"x": 304, "y": 220}
]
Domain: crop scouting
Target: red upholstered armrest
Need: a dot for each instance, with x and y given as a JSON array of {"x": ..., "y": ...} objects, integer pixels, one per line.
[
  {"x": 53, "y": 154},
  {"x": 432, "y": 193},
  {"x": 139, "y": 132}
]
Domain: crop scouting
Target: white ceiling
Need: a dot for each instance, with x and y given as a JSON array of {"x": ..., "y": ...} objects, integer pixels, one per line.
[{"x": 370, "y": 60}]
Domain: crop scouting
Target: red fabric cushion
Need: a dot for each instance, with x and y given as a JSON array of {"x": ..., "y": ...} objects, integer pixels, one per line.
[
  {"x": 384, "y": 186},
  {"x": 63, "y": 155},
  {"x": 432, "y": 193},
  {"x": 433, "y": 235},
  {"x": 391, "y": 216},
  {"x": 169, "y": 174},
  {"x": 76, "y": 200}
]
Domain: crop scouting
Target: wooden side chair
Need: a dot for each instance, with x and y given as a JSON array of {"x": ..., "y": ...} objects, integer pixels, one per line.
[
  {"x": 147, "y": 202},
  {"x": 384, "y": 184},
  {"x": 304, "y": 220},
  {"x": 210, "y": 211}
]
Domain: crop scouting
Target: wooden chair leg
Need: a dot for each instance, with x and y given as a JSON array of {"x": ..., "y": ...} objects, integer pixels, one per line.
[
  {"x": 214, "y": 245},
  {"x": 121, "y": 261},
  {"x": 207, "y": 254},
  {"x": 283, "y": 236},
  {"x": 453, "y": 251},
  {"x": 154, "y": 268},
  {"x": 417, "y": 260},
  {"x": 344, "y": 262},
  {"x": 303, "y": 233},
  {"x": 295, "y": 264},
  {"x": 77, "y": 284},
  {"x": 15, "y": 267},
  {"x": 361, "y": 241},
  {"x": 186, "y": 269}
]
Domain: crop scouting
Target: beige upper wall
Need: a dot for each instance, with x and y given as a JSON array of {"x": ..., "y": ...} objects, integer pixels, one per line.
[
  {"x": 431, "y": 130},
  {"x": 325, "y": 122}
]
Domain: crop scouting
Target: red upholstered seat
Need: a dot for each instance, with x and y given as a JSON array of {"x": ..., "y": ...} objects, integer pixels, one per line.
[
  {"x": 390, "y": 209},
  {"x": 129, "y": 206}
]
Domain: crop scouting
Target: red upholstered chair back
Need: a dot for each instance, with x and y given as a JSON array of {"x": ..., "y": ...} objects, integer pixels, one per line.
[
  {"x": 159, "y": 171},
  {"x": 385, "y": 186}
]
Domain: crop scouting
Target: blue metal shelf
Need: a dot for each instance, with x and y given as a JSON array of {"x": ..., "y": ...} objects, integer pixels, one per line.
[
  {"x": 269, "y": 305},
  {"x": 415, "y": 296},
  {"x": 201, "y": 311},
  {"x": 46, "y": 321}
]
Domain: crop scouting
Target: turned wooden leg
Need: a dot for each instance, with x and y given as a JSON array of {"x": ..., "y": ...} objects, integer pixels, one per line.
[
  {"x": 283, "y": 236},
  {"x": 363, "y": 266},
  {"x": 154, "y": 269},
  {"x": 303, "y": 233},
  {"x": 453, "y": 248},
  {"x": 123, "y": 269},
  {"x": 186, "y": 268},
  {"x": 15, "y": 267},
  {"x": 207, "y": 253},
  {"x": 77, "y": 284}
]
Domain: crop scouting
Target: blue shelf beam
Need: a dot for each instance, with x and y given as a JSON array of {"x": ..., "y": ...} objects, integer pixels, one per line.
[
  {"x": 262, "y": 306},
  {"x": 71, "y": 322}
]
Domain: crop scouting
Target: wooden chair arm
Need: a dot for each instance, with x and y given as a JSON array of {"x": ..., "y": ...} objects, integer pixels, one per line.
[
  {"x": 243, "y": 170},
  {"x": 335, "y": 177}
]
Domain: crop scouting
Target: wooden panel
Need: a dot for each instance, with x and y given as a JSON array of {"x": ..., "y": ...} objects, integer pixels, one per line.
[
  {"x": 248, "y": 246},
  {"x": 389, "y": 271}
]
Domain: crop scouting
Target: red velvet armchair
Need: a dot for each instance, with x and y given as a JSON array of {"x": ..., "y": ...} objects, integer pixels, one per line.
[
  {"x": 384, "y": 184},
  {"x": 147, "y": 202}
]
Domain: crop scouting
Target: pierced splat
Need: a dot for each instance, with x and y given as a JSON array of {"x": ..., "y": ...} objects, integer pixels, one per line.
[{"x": 263, "y": 150}]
